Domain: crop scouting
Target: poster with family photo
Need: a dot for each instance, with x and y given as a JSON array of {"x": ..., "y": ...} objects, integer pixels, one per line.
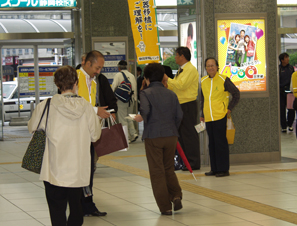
[
  {"x": 242, "y": 43},
  {"x": 242, "y": 52}
]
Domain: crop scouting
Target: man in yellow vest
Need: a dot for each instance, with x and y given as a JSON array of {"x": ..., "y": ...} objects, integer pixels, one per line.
[
  {"x": 87, "y": 89},
  {"x": 185, "y": 86}
]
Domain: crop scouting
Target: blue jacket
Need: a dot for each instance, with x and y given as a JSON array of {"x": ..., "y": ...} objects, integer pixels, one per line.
[{"x": 160, "y": 110}]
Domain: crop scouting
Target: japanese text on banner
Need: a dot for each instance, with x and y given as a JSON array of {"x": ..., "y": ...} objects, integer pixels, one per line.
[
  {"x": 36, "y": 3},
  {"x": 145, "y": 31}
]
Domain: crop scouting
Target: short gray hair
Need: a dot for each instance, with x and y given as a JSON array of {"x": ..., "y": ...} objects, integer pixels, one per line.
[{"x": 122, "y": 67}]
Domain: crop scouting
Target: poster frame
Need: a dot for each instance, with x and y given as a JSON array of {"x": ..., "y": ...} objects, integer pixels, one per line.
[{"x": 242, "y": 16}]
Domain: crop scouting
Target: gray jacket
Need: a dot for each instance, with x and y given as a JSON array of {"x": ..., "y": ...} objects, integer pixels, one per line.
[{"x": 160, "y": 110}]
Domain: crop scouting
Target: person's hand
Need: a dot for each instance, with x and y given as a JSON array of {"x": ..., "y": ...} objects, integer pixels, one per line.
[
  {"x": 138, "y": 118},
  {"x": 201, "y": 119},
  {"x": 102, "y": 112},
  {"x": 114, "y": 116}
]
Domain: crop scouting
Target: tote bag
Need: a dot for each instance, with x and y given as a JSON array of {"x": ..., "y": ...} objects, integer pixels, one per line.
[
  {"x": 230, "y": 133},
  {"x": 290, "y": 100},
  {"x": 33, "y": 157},
  {"x": 112, "y": 139}
]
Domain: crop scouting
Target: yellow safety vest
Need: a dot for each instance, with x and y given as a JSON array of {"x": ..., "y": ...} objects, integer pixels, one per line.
[
  {"x": 83, "y": 90},
  {"x": 216, "y": 99}
]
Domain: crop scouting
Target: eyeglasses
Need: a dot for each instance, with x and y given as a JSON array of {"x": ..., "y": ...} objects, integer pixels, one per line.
[{"x": 209, "y": 66}]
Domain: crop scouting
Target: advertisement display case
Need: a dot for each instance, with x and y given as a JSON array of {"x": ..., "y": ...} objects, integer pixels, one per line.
[
  {"x": 242, "y": 55},
  {"x": 188, "y": 39}
]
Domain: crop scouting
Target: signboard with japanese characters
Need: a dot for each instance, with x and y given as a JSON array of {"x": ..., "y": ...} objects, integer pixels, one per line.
[
  {"x": 37, "y": 3},
  {"x": 26, "y": 80},
  {"x": 145, "y": 30},
  {"x": 241, "y": 47}
]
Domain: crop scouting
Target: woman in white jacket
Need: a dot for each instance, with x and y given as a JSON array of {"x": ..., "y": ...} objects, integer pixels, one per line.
[{"x": 72, "y": 126}]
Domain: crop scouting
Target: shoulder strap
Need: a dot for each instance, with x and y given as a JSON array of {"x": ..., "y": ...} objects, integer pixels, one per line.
[
  {"x": 125, "y": 77},
  {"x": 46, "y": 106}
]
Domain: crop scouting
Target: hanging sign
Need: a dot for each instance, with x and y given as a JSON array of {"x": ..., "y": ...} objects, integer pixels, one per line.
[
  {"x": 37, "y": 3},
  {"x": 145, "y": 30}
]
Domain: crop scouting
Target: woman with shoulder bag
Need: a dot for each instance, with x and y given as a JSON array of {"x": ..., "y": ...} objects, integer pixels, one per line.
[{"x": 71, "y": 127}]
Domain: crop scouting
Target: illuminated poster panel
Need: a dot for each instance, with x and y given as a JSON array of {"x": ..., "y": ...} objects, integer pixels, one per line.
[
  {"x": 242, "y": 52},
  {"x": 188, "y": 39}
]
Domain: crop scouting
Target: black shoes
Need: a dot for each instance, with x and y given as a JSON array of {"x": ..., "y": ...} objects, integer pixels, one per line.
[
  {"x": 96, "y": 213},
  {"x": 222, "y": 174},
  {"x": 186, "y": 169},
  {"x": 210, "y": 173},
  {"x": 177, "y": 204},
  {"x": 217, "y": 174},
  {"x": 168, "y": 213}
]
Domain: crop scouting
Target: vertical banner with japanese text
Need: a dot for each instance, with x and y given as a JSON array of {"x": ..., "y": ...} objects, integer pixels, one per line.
[
  {"x": 242, "y": 52},
  {"x": 145, "y": 32}
]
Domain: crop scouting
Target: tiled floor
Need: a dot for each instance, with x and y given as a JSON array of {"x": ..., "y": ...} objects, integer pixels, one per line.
[{"x": 256, "y": 194}]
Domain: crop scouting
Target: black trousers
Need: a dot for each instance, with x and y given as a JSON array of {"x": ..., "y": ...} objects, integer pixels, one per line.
[
  {"x": 189, "y": 139},
  {"x": 285, "y": 119},
  {"x": 87, "y": 202},
  {"x": 57, "y": 198},
  {"x": 218, "y": 145}
]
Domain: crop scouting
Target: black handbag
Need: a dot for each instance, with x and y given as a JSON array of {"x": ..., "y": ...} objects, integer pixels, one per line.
[{"x": 33, "y": 157}]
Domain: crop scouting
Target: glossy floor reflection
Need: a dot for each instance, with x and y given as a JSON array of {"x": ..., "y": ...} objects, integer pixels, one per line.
[{"x": 122, "y": 188}]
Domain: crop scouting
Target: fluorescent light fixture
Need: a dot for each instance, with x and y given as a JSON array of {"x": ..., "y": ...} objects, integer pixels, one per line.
[
  {"x": 166, "y": 2},
  {"x": 286, "y": 2}
]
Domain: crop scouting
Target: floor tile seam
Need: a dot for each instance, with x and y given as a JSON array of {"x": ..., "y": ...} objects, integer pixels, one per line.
[
  {"x": 220, "y": 196},
  {"x": 27, "y": 213},
  {"x": 254, "y": 206}
]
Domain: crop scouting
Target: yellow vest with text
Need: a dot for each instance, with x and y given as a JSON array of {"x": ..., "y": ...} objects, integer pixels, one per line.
[
  {"x": 216, "y": 99},
  {"x": 83, "y": 90}
]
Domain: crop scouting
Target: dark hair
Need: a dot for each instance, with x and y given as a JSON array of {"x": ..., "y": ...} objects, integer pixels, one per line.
[
  {"x": 168, "y": 71},
  {"x": 65, "y": 77},
  {"x": 122, "y": 64},
  {"x": 139, "y": 69},
  {"x": 154, "y": 72},
  {"x": 246, "y": 36},
  {"x": 237, "y": 36},
  {"x": 241, "y": 31},
  {"x": 184, "y": 51},
  {"x": 190, "y": 30},
  {"x": 282, "y": 56},
  {"x": 212, "y": 58},
  {"x": 93, "y": 55}
]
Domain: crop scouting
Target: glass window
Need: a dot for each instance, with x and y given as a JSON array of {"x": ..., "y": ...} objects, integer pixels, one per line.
[
  {"x": 13, "y": 52},
  {"x": 7, "y": 52},
  {"x": 26, "y": 51},
  {"x": 288, "y": 17},
  {"x": 7, "y": 89},
  {"x": 20, "y": 52}
]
